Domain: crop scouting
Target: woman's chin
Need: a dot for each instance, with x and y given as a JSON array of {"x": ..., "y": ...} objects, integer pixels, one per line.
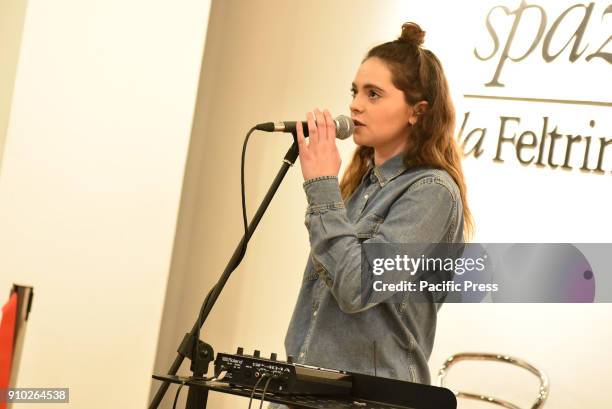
[{"x": 359, "y": 138}]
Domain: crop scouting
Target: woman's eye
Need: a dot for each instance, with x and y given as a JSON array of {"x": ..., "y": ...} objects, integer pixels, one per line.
[
  {"x": 373, "y": 95},
  {"x": 353, "y": 93}
]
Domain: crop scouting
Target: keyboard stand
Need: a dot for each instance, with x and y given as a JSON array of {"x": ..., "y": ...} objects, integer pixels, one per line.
[{"x": 303, "y": 401}]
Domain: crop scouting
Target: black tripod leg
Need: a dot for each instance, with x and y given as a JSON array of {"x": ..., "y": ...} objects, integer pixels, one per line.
[{"x": 197, "y": 397}]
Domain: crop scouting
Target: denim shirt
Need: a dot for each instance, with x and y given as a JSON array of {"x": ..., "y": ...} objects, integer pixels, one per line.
[{"x": 330, "y": 327}]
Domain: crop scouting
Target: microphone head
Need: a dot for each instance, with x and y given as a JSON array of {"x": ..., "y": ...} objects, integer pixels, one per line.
[{"x": 344, "y": 126}]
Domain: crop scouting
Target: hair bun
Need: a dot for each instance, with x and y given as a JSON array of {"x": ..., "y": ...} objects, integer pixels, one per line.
[{"x": 412, "y": 34}]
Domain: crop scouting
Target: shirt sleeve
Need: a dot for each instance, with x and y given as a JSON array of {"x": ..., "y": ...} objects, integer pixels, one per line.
[{"x": 424, "y": 213}]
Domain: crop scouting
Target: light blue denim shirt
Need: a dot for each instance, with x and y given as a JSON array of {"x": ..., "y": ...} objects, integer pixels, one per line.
[{"x": 330, "y": 326}]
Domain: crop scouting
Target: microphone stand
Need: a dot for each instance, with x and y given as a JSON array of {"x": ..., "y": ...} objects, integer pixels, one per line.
[{"x": 199, "y": 352}]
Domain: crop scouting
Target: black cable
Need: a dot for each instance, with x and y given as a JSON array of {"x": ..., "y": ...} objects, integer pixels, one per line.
[
  {"x": 242, "y": 188},
  {"x": 255, "y": 387},
  {"x": 263, "y": 396},
  {"x": 178, "y": 391},
  {"x": 244, "y": 242}
]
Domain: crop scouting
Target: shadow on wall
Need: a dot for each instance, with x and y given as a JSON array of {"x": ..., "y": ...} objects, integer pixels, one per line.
[{"x": 12, "y": 16}]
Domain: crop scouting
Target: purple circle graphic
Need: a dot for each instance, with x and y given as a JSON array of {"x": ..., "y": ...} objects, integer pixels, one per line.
[{"x": 546, "y": 272}]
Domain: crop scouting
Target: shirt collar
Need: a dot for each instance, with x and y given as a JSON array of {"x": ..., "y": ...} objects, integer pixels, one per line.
[{"x": 389, "y": 170}]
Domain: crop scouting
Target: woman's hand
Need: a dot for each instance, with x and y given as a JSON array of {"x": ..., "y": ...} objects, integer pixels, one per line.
[{"x": 320, "y": 156}]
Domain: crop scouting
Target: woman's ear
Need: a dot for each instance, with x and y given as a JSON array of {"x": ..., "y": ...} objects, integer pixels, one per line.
[
  {"x": 421, "y": 107},
  {"x": 417, "y": 110}
]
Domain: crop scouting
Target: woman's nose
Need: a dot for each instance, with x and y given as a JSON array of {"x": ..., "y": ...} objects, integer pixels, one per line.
[{"x": 355, "y": 106}]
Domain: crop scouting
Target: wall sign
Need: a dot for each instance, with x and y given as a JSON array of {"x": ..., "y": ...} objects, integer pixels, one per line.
[{"x": 539, "y": 87}]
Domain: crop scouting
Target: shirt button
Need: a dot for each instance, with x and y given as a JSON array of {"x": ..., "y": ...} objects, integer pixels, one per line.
[
  {"x": 301, "y": 355},
  {"x": 314, "y": 314},
  {"x": 366, "y": 196}
]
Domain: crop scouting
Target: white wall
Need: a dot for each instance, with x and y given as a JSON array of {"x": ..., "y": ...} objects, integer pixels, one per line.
[
  {"x": 90, "y": 187},
  {"x": 258, "y": 68}
]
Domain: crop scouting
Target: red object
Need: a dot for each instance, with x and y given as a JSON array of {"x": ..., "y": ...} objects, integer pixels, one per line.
[{"x": 7, "y": 341}]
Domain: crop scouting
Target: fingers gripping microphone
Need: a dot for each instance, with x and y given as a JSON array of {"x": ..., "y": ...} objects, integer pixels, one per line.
[{"x": 344, "y": 127}]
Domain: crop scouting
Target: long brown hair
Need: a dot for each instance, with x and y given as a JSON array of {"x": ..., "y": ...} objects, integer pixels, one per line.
[{"x": 418, "y": 73}]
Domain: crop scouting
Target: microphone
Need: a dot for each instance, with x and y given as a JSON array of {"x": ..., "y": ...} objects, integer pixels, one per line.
[{"x": 344, "y": 127}]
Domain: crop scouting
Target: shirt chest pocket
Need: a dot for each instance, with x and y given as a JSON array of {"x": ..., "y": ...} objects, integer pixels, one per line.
[{"x": 368, "y": 226}]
